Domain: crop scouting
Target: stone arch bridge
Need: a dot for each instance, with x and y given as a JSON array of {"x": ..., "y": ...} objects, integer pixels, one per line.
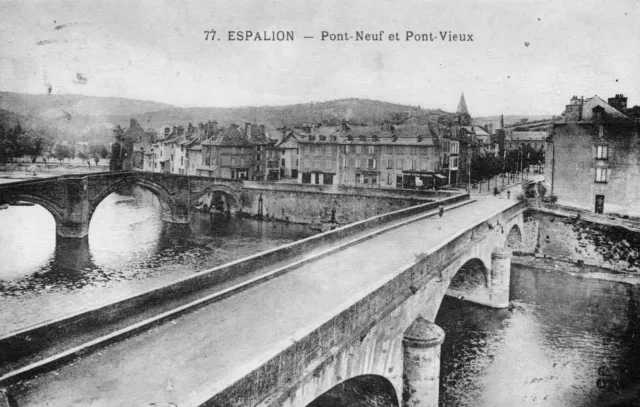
[{"x": 72, "y": 199}]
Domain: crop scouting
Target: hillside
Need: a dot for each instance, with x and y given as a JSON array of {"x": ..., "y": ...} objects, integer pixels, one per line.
[
  {"x": 76, "y": 117},
  {"x": 62, "y": 106}
]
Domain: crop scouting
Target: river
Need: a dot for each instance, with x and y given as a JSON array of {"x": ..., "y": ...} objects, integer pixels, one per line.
[
  {"x": 129, "y": 250},
  {"x": 565, "y": 341}
]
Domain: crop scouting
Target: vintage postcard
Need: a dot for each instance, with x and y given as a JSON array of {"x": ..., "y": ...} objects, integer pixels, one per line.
[{"x": 276, "y": 203}]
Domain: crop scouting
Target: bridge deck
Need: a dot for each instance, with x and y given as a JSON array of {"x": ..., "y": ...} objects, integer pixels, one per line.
[{"x": 193, "y": 357}]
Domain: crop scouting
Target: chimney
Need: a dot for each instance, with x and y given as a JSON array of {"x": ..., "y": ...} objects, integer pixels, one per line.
[
  {"x": 247, "y": 130},
  {"x": 344, "y": 124},
  {"x": 619, "y": 102},
  {"x": 262, "y": 129}
]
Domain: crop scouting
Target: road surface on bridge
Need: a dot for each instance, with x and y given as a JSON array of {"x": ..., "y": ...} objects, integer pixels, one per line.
[{"x": 189, "y": 359}]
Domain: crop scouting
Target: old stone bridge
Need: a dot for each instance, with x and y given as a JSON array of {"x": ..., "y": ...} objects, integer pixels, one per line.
[
  {"x": 339, "y": 312},
  {"x": 72, "y": 199}
]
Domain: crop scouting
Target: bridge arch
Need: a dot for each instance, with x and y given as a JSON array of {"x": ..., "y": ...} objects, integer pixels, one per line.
[
  {"x": 472, "y": 279},
  {"x": 359, "y": 391},
  {"x": 231, "y": 195},
  {"x": 56, "y": 211},
  {"x": 514, "y": 239},
  {"x": 169, "y": 211}
]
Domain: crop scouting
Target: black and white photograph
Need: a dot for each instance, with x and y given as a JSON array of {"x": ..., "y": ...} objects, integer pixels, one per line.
[{"x": 272, "y": 203}]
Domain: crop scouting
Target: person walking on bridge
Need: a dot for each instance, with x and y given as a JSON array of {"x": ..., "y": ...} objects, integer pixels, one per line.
[{"x": 440, "y": 210}]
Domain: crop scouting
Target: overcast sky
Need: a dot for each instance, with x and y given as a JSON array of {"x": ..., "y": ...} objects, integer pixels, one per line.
[{"x": 157, "y": 51}]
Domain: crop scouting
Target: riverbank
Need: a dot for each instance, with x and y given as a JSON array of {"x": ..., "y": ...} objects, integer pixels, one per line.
[
  {"x": 585, "y": 248},
  {"x": 576, "y": 270},
  {"x": 11, "y": 172}
]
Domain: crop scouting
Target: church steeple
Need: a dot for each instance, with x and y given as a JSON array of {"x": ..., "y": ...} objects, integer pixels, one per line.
[
  {"x": 462, "y": 106},
  {"x": 463, "y": 118}
]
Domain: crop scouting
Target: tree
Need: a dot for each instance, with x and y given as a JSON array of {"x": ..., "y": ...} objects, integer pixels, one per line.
[
  {"x": 84, "y": 157},
  {"x": 98, "y": 151},
  {"x": 7, "y": 150},
  {"x": 62, "y": 151},
  {"x": 32, "y": 144}
]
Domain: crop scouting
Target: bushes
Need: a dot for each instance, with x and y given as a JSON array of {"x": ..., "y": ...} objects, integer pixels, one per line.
[{"x": 550, "y": 199}]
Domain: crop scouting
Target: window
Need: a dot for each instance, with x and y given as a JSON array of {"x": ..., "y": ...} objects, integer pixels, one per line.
[
  {"x": 181, "y": 160},
  {"x": 389, "y": 179},
  {"x": 414, "y": 165},
  {"x": 407, "y": 164},
  {"x": 374, "y": 181},
  {"x": 328, "y": 151},
  {"x": 242, "y": 162},
  {"x": 358, "y": 178},
  {"x": 399, "y": 164},
  {"x": 357, "y": 163},
  {"x": 328, "y": 164},
  {"x": 423, "y": 165},
  {"x": 372, "y": 149},
  {"x": 413, "y": 150},
  {"x": 602, "y": 152},
  {"x": 601, "y": 175},
  {"x": 233, "y": 161},
  {"x": 389, "y": 149},
  {"x": 306, "y": 164},
  {"x": 259, "y": 148},
  {"x": 390, "y": 164},
  {"x": 318, "y": 150},
  {"x": 346, "y": 149},
  {"x": 372, "y": 164},
  {"x": 258, "y": 167},
  {"x": 307, "y": 150},
  {"x": 344, "y": 160},
  {"x": 345, "y": 177},
  {"x": 358, "y": 149}
]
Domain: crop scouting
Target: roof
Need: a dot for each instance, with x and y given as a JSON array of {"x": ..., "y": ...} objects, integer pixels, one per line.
[
  {"x": 231, "y": 136},
  {"x": 462, "y": 106},
  {"x": 585, "y": 112},
  {"x": 589, "y": 104}
]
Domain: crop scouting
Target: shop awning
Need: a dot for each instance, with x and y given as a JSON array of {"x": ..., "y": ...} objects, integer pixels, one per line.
[{"x": 441, "y": 176}]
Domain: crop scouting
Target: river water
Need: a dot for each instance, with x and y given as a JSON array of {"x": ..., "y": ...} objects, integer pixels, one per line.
[
  {"x": 129, "y": 250},
  {"x": 565, "y": 341}
]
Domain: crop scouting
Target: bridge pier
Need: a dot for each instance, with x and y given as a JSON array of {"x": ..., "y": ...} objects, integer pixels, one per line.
[
  {"x": 500, "y": 278},
  {"x": 74, "y": 222},
  {"x": 421, "y": 353}
]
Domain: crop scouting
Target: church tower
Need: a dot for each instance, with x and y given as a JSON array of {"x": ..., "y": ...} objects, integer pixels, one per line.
[{"x": 463, "y": 118}]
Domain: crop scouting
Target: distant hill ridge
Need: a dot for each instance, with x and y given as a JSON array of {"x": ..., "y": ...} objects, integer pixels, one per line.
[{"x": 79, "y": 117}]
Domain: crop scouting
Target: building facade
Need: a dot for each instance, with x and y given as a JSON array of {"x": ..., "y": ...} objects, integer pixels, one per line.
[{"x": 593, "y": 158}]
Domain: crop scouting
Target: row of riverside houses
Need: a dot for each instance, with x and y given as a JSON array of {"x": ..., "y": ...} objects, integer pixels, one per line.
[
  {"x": 207, "y": 150},
  {"x": 409, "y": 150}
]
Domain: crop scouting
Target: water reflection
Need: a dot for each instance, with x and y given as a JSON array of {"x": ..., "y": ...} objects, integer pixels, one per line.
[{"x": 564, "y": 342}]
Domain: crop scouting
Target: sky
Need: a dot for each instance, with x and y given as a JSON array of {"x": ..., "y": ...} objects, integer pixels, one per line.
[{"x": 526, "y": 57}]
